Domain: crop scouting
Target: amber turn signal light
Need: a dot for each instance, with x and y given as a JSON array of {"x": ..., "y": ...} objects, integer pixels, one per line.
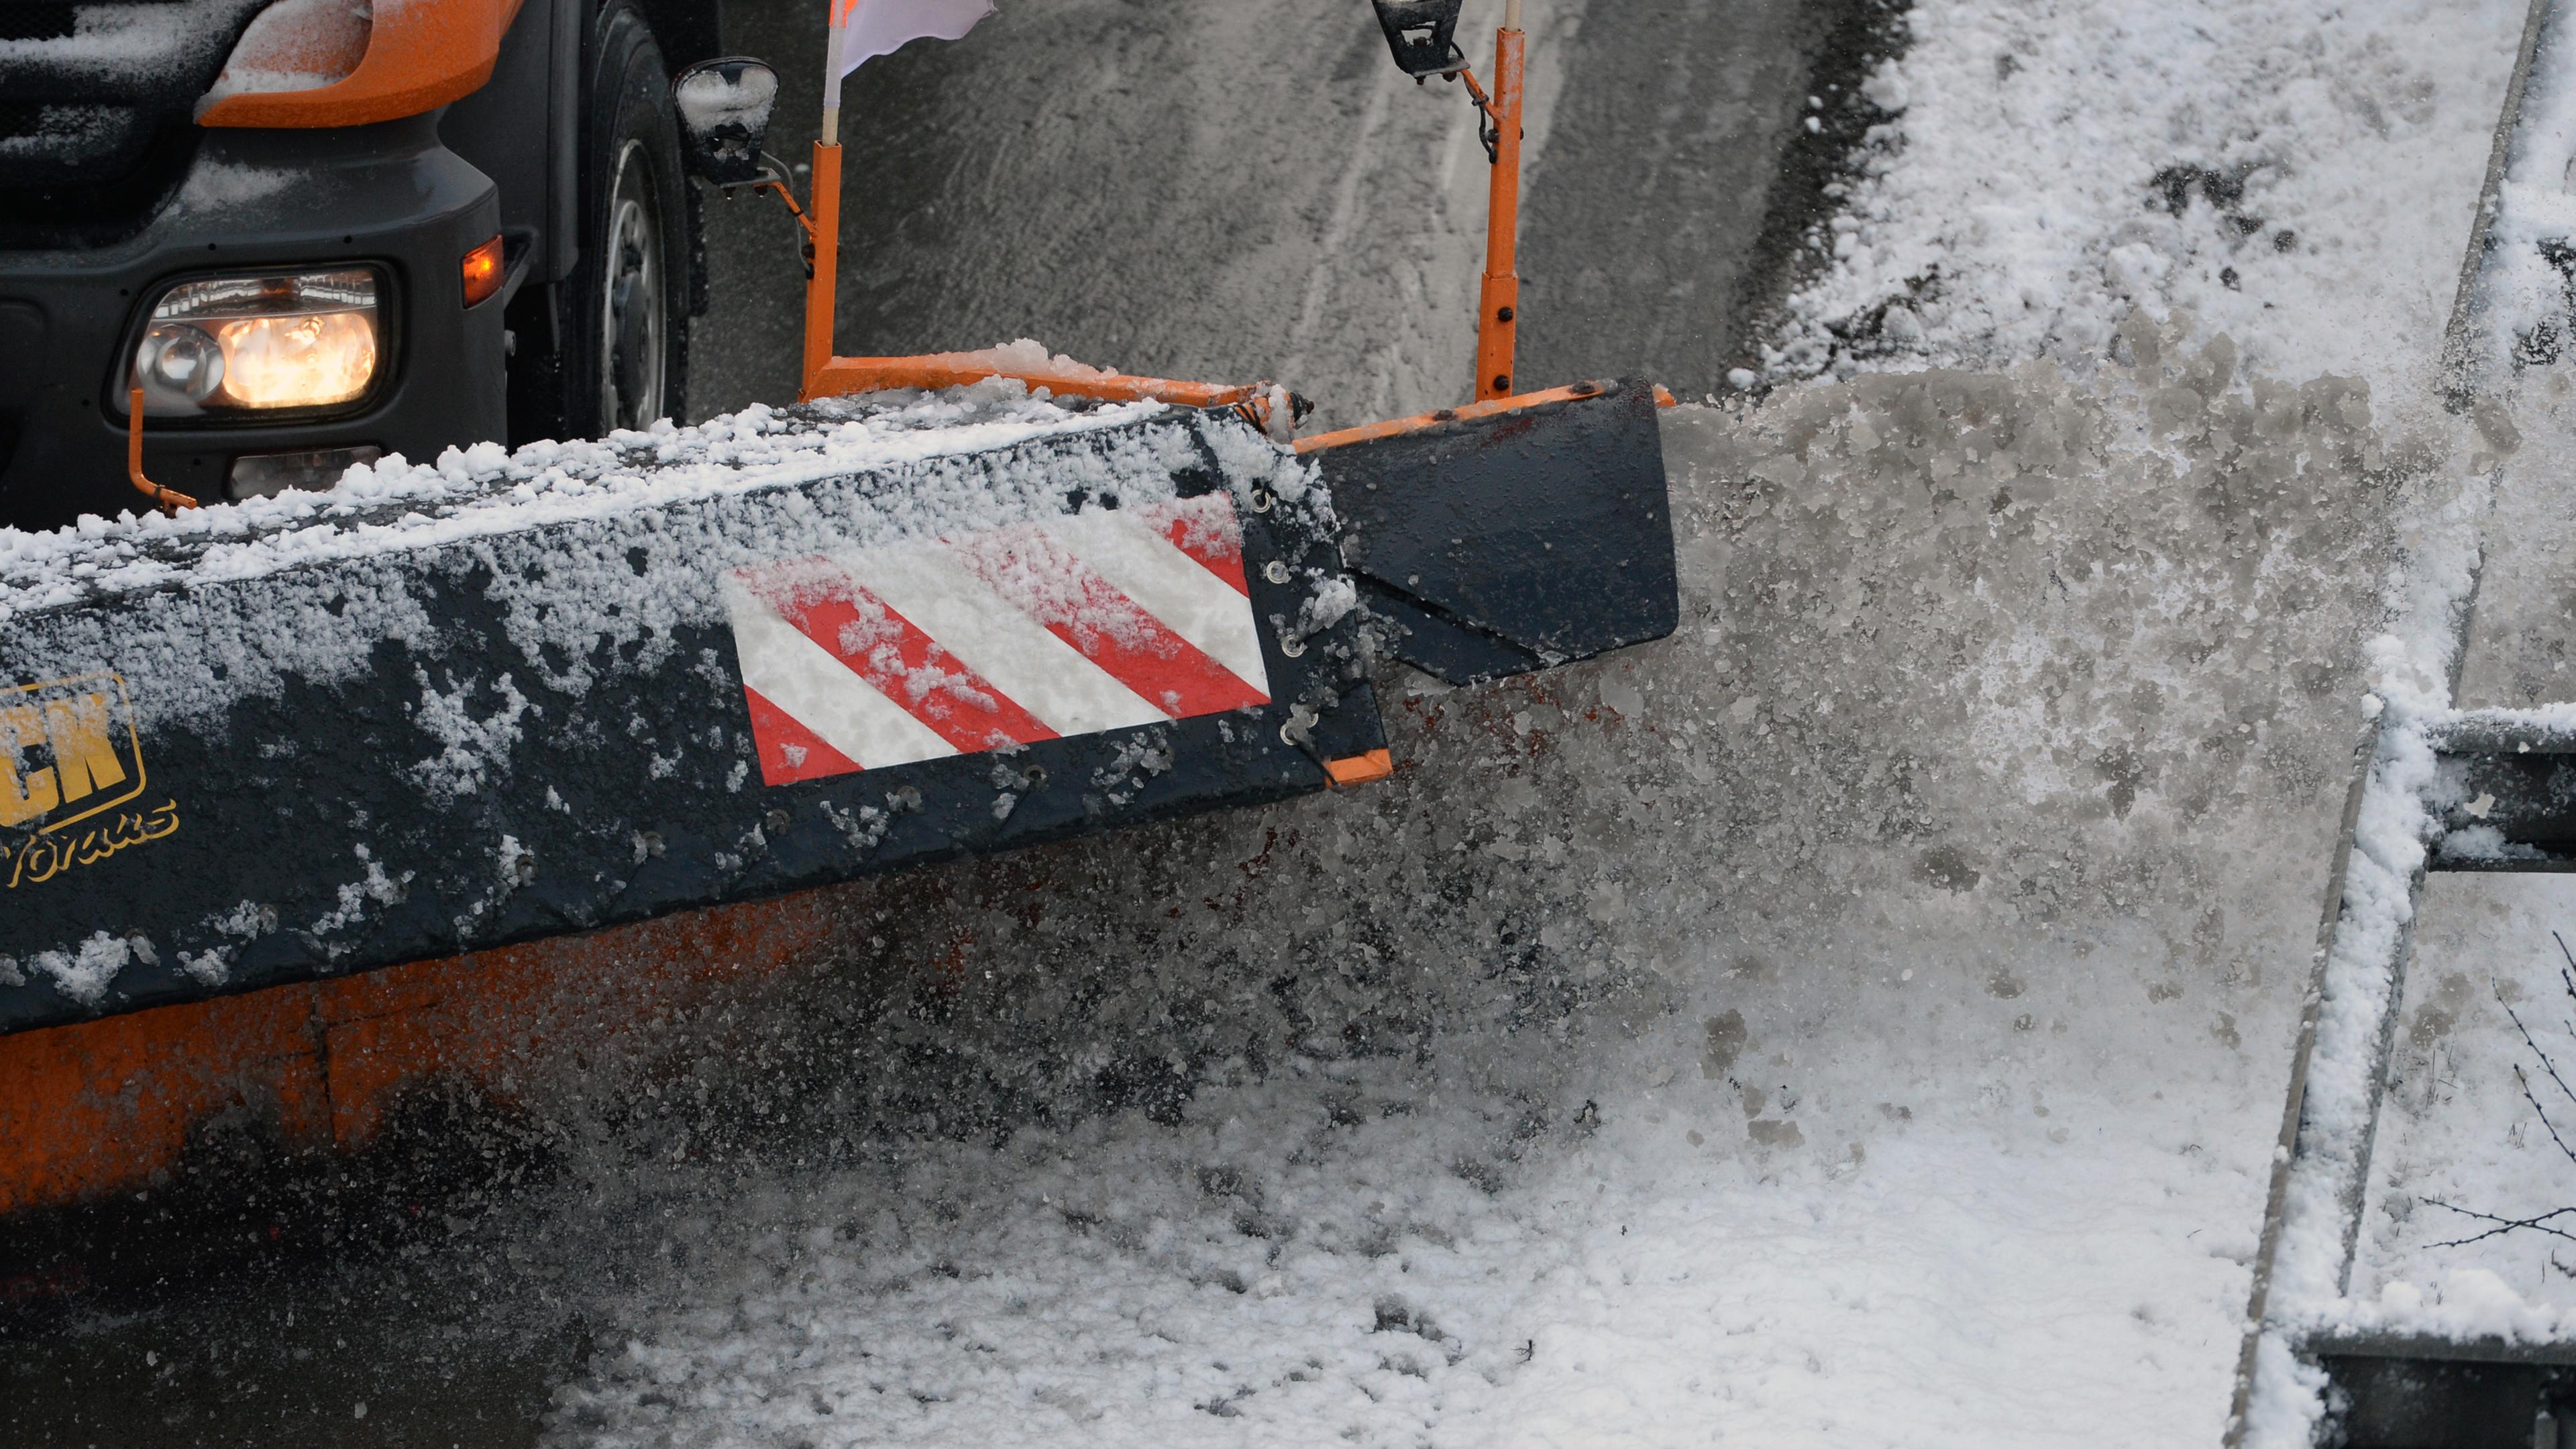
[{"x": 483, "y": 271}]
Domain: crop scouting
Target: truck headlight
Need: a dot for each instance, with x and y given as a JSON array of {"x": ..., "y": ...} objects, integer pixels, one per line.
[{"x": 253, "y": 344}]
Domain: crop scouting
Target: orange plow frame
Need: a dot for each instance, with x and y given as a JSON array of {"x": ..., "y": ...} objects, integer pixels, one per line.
[
  {"x": 1497, "y": 310},
  {"x": 829, "y": 376}
]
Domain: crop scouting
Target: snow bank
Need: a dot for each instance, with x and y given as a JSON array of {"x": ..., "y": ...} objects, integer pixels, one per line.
[
  {"x": 2430, "y": 587},
  {"x": 2300, "y": 177},
  {"x": 2524, "y": 281},
  {"x": 2411, "y": 669}
]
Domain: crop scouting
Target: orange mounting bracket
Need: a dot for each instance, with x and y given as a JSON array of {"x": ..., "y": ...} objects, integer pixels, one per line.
[
  {"x": 168, "y": 500},
  {"x": 1498, "y": 302},
  {"x": 842, "y": 376},
  {"x": 1260, "y": 404},
  {"x": 1499, "y": 295},
  {"x": 823, "y": 230},
  {"x": 785, "y": 194},
  {"x": 778, "y": 184}
]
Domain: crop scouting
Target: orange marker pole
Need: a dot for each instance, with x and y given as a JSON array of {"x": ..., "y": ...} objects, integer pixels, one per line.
[
  {"x": 824, "y": 207},
  {"x": 823, "y": 211},
  {"x": 1498, "y": 313}
]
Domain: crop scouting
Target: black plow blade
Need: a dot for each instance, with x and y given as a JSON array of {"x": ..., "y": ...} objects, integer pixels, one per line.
[{"x": 1510, "y": 536}]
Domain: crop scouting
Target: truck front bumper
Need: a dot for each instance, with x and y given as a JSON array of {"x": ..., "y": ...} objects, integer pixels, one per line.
[{"x": 389, "y": 196}]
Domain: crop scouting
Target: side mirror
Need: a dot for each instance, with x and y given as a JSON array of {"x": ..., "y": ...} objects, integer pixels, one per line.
[
  {"x": 724, "y": 107},
  {"x": 1423, "y": 35}
]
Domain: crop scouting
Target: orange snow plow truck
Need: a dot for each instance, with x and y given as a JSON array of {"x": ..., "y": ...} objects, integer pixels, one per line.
[{"x": 325, "y": 773}]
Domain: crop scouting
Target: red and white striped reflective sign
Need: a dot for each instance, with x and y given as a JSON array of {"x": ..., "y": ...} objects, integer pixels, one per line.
[{"x": 1038, "y": 631}]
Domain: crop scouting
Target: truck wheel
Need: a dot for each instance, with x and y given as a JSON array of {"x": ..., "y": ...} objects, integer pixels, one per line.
[{"x": 608, "y": 349}]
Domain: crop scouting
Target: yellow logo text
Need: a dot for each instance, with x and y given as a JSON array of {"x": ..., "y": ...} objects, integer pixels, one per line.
[
  {"x": 47, "y": 856},
  {"x": 70, "y": 755}
]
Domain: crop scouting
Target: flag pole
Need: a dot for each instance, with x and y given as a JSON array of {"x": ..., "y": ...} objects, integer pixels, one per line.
[{"x": 823, "y": 200}]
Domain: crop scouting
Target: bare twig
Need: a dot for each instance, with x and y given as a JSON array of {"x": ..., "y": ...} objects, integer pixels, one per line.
[
  {"x": 2540, "y": 1223},
  {"x": 2545, "y": 1063},
  {"x": 2505, "y": 1225},
  {"x": 2524, "y": 1082}
]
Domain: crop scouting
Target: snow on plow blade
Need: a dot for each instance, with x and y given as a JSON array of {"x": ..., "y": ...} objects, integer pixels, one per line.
[
  {"x": 1511, "y": 535},
  {"x": 436, "y": 712}
]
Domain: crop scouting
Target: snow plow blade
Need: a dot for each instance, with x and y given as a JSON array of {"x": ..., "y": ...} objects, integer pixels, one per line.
[
  {"x": 493, "y": 708},
  {"x": 1512, "y": 535}
]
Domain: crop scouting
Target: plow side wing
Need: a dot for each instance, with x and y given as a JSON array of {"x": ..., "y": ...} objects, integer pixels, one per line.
[{"x": 1514, "y": 535}]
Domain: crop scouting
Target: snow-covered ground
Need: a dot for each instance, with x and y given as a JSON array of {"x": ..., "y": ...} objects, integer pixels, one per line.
[
  {"x": 1863, "y": 1018},
  {"x": 1272, "y": 1277},
  {"x": 2297, "y": 176}
]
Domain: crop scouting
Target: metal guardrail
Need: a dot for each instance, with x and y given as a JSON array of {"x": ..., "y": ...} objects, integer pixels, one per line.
[{"x": 2509, "y": 776}]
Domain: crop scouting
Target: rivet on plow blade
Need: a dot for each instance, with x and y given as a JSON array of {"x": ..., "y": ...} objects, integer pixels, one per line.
[{"x": 1512, "y": 535}]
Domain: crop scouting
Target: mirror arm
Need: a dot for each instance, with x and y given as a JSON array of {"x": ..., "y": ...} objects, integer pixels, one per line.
[
  {"x": 774, "y": 178},
  {"x": 771, "y": 184},
  {"x": 1490, "y": 129}
]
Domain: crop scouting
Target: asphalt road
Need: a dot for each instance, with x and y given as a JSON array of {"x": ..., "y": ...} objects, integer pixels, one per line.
[{"x": 1213, "y": 191}]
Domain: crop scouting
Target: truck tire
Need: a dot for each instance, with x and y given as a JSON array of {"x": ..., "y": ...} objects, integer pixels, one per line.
[{"x": 608, "y": 348}]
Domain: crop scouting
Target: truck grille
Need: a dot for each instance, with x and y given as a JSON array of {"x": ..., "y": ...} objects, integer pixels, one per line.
[
  {"x": 66, "y": 145},
  {"x": 95, "y": 110}
]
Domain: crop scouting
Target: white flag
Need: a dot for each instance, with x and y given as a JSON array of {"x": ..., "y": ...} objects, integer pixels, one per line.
[{"x": 881, "y": 27}]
